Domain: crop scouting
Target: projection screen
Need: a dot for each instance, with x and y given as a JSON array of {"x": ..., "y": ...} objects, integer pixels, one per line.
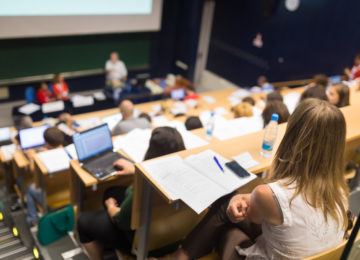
[{"x": 41, "y": 18}]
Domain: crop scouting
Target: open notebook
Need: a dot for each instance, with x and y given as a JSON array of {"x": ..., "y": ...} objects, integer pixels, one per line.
[{"x": 196, "y": 180}]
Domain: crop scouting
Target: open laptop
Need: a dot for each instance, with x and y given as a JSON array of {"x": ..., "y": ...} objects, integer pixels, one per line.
[
  {"x": 32, "y": 137},
  {"x": 94, "y": 149},
  {"x": 178, "y": 94},
  {"x": 5, "y": 136}
]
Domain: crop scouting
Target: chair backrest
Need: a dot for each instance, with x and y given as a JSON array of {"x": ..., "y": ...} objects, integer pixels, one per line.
[{"x": 30, "y": 94}]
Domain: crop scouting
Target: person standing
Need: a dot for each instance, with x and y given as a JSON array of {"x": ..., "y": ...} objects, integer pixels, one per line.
[
  {"x": 116, "y": 74},
  {"x": 60, "y": 88}
]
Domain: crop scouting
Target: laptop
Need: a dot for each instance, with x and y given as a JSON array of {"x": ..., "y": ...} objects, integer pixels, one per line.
[
  {"x": 32, "y": 137},
  {"x": 94, "y": 149},
  {"x": 5, "y": 136}
]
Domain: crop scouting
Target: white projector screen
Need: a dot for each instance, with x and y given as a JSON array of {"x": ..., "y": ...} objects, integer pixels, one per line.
[{"x": 39, "y": 18}]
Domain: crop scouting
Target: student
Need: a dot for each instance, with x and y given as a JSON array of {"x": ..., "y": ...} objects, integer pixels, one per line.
[
  {"x": 338, "y": 95},
  {"x": 43, "y": 95},
  {"x": 60, "y": 88},
  {"x": 274, "y": 95},
  {"x": 249, "y": 100},
  {"x": 301, "y": 211},
  {"x": 54, "y": 138},
  {"x": 193, "y": 122},
  {"x": 129, "y": 122},
  {"x": 264, "y": 84},
  {"x": 146, "y": 116},
  {"x": 320, "y": 80},
  {"x": 314, "y": 92},
  {"x": 278, "y": 108},
  {"x": 111, "y": 227},
  {"x": 243, "y": 110},
  {"x": 354, "y": 73}
]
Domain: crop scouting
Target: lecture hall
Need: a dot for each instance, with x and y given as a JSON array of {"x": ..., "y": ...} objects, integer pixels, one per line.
[{"x": 179, "y": 130}]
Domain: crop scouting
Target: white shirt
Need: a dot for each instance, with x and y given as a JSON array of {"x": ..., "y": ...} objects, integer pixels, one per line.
[
  {"x": 119, "y": 70},
  {"x": 303, "y": 233}
]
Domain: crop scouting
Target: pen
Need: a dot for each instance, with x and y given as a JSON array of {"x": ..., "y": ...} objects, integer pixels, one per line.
[{"x": 217, "y": 162}]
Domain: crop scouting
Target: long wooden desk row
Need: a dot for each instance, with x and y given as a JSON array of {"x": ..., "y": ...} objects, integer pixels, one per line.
[
  {"x": 145, "y": 185},
  {"x": 83, "y": 185}
]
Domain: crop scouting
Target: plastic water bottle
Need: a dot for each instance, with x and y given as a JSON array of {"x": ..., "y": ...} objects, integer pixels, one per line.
[
  {"x": 270, "y": 136},
  {"x": 209, "y": 127}
]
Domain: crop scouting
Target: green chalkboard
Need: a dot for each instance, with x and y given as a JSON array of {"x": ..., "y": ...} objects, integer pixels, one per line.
[{"x": 40, "y": 56}]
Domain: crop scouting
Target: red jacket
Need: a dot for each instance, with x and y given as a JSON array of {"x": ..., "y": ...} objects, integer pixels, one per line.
[
  {"x": 43, "y": 96},
  {"x": 60, "y": 90}
]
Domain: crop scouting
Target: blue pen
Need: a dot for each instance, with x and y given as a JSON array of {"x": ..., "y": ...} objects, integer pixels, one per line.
[{"x": 217, "y": 162}]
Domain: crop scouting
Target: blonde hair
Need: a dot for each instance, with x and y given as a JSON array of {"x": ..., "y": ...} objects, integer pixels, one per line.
[
  {"x": 311, "y": 156},
  {"x": 243, "y": 109}
]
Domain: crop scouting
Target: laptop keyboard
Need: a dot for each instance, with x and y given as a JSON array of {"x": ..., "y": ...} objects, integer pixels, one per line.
[{"x": 103, "y": 164}]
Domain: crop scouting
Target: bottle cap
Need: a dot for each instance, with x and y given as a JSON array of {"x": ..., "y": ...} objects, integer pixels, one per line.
[{"x": 274, "y": 117}]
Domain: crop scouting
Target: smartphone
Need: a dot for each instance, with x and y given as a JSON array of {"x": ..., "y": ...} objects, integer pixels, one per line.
[{"x": 237, "y": 169}]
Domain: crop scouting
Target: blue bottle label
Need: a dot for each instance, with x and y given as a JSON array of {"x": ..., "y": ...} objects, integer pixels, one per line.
[{"x": 267, "y": 146}]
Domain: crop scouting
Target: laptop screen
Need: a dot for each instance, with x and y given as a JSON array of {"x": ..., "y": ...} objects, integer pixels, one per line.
[
  {"x": 5, "y": 134},
  {"x": 92, "y": 142},
  {"x": 32, "y": 137},
  {"x": 178, "y": 94}
]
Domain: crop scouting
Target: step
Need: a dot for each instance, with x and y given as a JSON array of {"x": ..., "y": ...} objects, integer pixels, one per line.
[
  {"x": 28, "y": 256},
  {"x": 9, "y": 243},
  {"x": 13, "y": 252}
]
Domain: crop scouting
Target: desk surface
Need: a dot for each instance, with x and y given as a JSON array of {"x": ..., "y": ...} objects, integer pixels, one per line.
[{"x": 20, "y": 159}]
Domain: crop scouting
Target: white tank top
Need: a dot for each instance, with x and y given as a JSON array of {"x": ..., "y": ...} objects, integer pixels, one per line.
[{"x": 303, "y": 233}]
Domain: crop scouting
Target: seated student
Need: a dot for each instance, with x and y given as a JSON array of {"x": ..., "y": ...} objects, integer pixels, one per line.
[
  {"x": 249, "y": 100},
  {"x": 243, "y": 110},
  {"x": 43, "y": 95},
  {"x": 314, "y": 92},
  {"x": 111, "y": 227},
  {"x": 54, "y": 138},
  {"x": 300, "y": 212},
  {"x": 146, "y": 116},
  {"x": 274, "y": 95},
  {"x": 66, "y": 118},
  {"x": 319, "y": 80},
  {"x": 338, "y": 95},
  {"x": 264, "y": 84},
  {"x": 193, "y": 122},
  {"x": 278, "y": 108},
  {"x": 129, "y": 122},
  {"x": 60, "y": 88},
  {"x": 354, "y": 73}
]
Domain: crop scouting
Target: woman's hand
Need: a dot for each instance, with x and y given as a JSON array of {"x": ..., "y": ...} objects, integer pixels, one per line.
[
  {"x": 237, "y": 208},
  {"x": 111, "y": 203}
]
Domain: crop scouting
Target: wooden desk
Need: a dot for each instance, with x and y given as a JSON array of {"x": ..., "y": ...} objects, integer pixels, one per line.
[
  {"x": 86, "y": 191},
  {"x": 6, "y": 170},
  {"x": 55, "y": 187},
  {"x": 21, "y": 172}
]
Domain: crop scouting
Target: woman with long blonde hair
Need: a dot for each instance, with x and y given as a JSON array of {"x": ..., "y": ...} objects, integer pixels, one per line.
[{"x": 300, "y": 212}]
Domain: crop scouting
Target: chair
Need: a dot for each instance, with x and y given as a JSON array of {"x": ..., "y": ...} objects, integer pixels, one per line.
[{"x": 30, "y": 94}]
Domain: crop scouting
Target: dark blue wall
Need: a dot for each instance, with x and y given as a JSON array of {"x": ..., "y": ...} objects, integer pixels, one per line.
[{"x": 322, "y": 36}]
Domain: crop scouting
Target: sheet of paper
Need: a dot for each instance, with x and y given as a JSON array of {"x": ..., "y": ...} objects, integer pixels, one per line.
[
  {"x": 112, "y": 120},
  {"x": 180, "y": 181},
  {"x": 5, "y": 134},
  {"x": 156, "y": 108},
  {"x": 291, "y": 100},
  {"x": 55, "y": 160},
  {"x": 53, "y": 106},
  {"x": 82, "y": 101},
  {"x": 159, "y": 121},
  {"x": 205, "y": 164},
  {"x": 65, "y": 129},
  {"x": 245, "y": 160},
  {"x": 209, "y": 99},
  {"x": 99, "y": 96},
  {"x": 28, "y": 109},
  {"x": 88, "y": 123},
  {"x": 70, "y": 149},
  {"x": 134, "y": 144},
  {"x": 220, "y": 111},
  {"x": 205, "y": 116},
  {"x": 191, "y": 140},
  {"x": 191, "y": 102},
  {"x": 8, "y": 151}
]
